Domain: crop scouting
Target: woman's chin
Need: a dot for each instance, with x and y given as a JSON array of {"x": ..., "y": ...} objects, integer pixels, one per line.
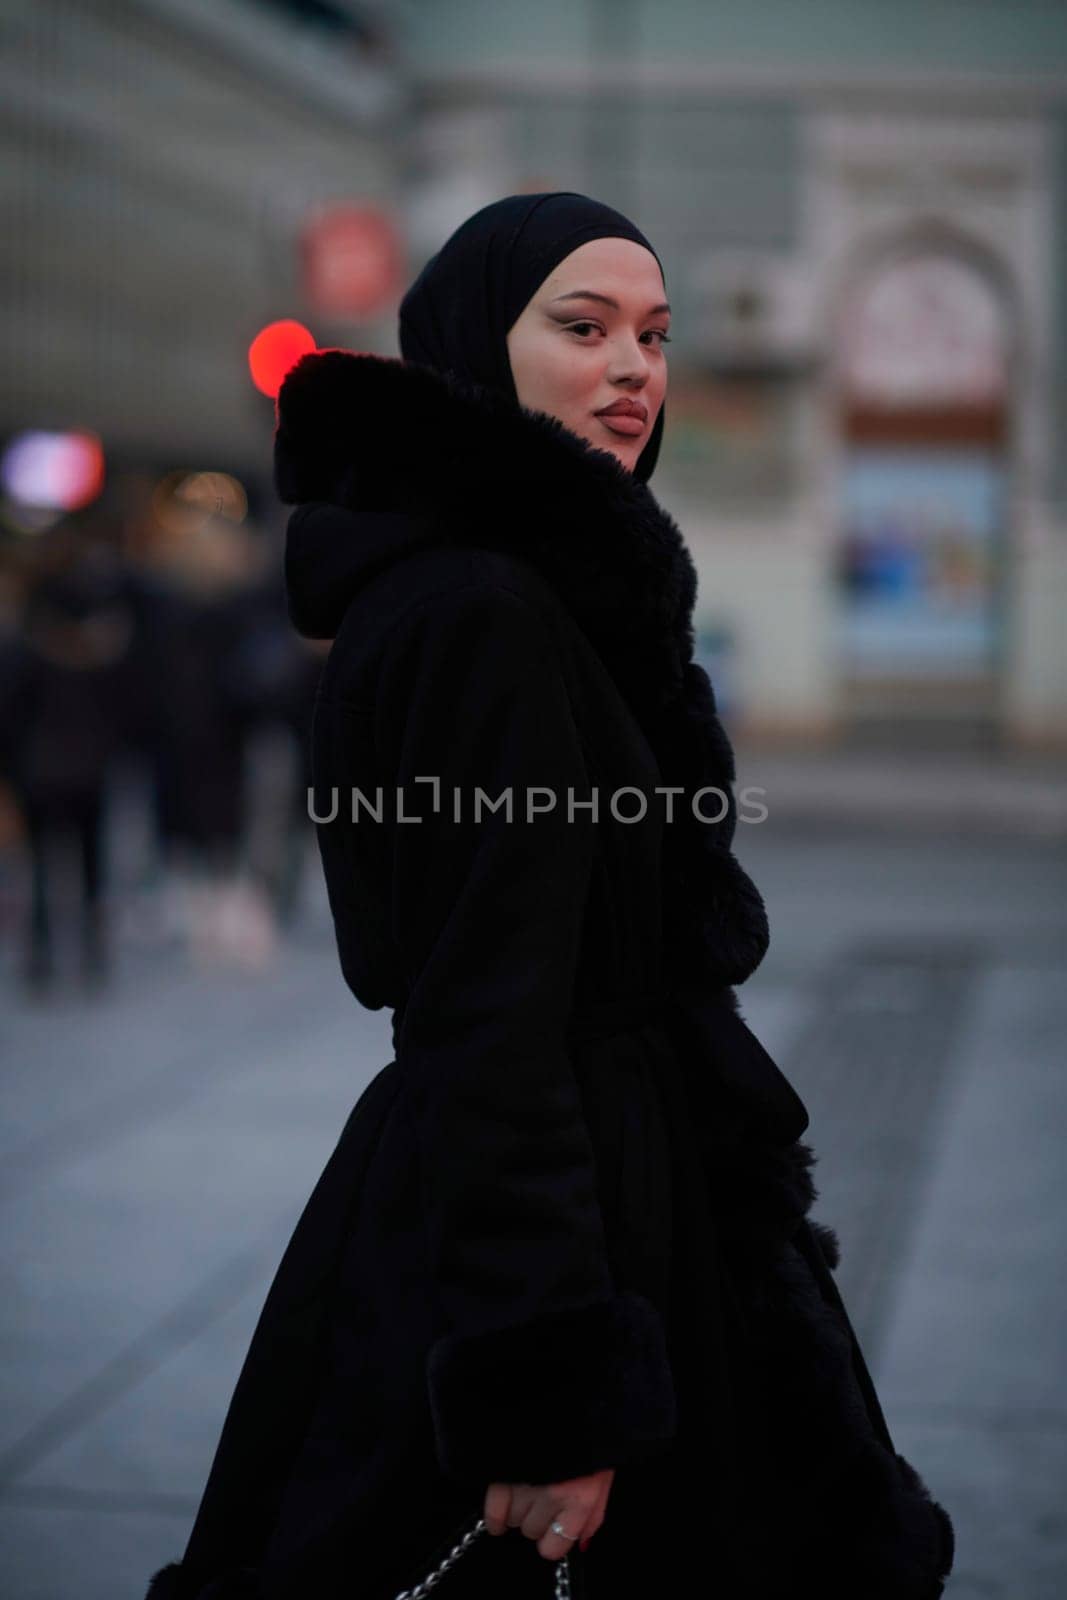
[{"x": 625, "y": 455}]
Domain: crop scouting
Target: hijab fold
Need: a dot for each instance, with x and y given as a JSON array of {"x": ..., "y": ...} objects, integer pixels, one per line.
[{"x": 457, "y": 314}]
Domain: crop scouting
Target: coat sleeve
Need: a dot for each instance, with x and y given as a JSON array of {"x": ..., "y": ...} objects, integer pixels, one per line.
[{"x": 541, "y": 1371}]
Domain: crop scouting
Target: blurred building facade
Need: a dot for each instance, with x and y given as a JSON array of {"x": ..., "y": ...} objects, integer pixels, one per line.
[
  {"x": 160, "y": 160},
  {"x": 862, "y": 211}
]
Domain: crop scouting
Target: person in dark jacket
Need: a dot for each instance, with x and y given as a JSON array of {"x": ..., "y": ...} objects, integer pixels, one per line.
[
  {"x": 63, "y": 692},
  {"x": 556, "y": 1306}
]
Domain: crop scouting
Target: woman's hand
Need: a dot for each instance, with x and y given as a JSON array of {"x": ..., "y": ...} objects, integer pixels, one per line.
[{"x": 578, "y": 1503}]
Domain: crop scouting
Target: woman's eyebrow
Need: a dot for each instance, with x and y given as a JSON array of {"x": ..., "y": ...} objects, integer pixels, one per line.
[{"x": 606, "y": 300}]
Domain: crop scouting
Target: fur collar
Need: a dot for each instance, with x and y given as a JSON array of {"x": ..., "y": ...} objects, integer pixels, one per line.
[
  {"x": 409, "y": 455},
  {"x": 380, "y": 436}
]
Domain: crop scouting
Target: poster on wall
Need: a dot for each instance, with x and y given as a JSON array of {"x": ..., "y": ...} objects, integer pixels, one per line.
[{"x": 917, "y": 574}]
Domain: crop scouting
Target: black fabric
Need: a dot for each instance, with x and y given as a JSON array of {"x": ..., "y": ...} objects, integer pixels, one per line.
[
  {"x": 347, "y": 428},
  {"x": 538, "y": 1248},
  {"x": 457, "y": 314}
]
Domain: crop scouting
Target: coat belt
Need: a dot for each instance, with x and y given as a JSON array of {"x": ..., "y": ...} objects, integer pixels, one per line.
[{"x": 595, "y": 1021}]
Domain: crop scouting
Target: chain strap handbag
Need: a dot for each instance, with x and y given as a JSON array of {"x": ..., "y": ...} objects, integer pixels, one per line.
[{"x": 424, "y": 1587}]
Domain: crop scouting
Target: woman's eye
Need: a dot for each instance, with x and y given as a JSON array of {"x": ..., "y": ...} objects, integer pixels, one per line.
[{"x": 656, "y": 333}]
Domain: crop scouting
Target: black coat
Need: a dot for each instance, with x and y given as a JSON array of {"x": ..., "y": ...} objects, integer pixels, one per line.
[{"x": 566, "y": 1227}]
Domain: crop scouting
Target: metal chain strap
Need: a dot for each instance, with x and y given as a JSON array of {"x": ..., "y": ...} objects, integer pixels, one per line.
[{"x": 423, "y": 1588}]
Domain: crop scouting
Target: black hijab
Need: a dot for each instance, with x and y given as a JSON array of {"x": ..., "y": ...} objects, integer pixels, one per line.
[{"x": 457, "y": 314}]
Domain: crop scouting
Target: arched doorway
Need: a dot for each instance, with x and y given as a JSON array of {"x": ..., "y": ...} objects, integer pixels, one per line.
[{"x": 923, "y": 340}]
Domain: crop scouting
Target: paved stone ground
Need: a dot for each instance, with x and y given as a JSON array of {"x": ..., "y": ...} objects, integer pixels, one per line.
[
  {"x": 915, "y": 994},
  {"x": 160, "y": 1142},
  {"x": 941, "y": 787}
]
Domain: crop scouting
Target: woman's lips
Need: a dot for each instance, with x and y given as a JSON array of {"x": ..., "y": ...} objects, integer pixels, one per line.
[{"x": 621, "y": 423}]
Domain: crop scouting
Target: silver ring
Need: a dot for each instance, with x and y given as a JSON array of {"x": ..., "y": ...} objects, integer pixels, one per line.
[{"x": 558, "y": 1528}]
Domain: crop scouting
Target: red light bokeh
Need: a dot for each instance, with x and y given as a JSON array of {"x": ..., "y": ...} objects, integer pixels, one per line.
[{"x": 274, "y": 351}]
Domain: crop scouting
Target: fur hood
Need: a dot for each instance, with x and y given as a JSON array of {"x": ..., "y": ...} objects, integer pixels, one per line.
[{"x": 382, "y": 455}]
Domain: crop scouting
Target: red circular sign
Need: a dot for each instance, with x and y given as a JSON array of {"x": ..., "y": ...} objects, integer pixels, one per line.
[{"x": 352, "y": 260}]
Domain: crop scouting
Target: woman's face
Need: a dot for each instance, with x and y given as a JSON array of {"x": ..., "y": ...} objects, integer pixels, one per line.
[{"x": 592, "y": 337}]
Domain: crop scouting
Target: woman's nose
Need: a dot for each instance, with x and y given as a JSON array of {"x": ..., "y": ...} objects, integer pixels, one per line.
[{"x": 630, "y": 363}]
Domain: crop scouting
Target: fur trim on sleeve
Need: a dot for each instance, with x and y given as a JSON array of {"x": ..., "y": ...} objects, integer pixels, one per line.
[
  {"x": 172, "y": 1582},
  {"x": 566, "y": 1394},
  {"x": 168, "y": 1583}
]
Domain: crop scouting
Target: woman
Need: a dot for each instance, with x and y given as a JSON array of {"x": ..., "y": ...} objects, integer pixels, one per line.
[{"x": 558, "y": 1273}]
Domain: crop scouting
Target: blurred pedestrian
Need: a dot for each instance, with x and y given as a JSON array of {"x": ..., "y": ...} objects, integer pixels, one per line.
[
  {"x": 193, "y": 612},
  {"x": 269, "y": 676},
  {"x": 62, "y": 723}
]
